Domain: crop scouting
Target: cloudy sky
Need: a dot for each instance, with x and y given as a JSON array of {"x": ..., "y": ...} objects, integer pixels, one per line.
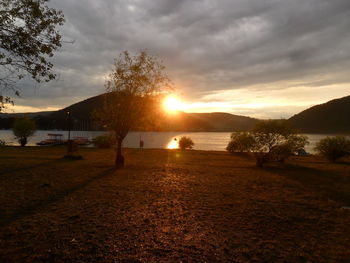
[{"x": 261, "y": 58}]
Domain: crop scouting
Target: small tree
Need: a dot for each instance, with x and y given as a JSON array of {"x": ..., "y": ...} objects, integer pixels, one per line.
[
  {"x": 23, "y": 128},
  {"x": 185, "y": 143},
  {"x": 275, "y": 141},
  {"x": 241, "y": 142},
  {"x": 104, "y": 141},
  {"x": 333, "y": 148},
  {"x": 28, "y": 37},
  {"x": 132, "y": 96}
]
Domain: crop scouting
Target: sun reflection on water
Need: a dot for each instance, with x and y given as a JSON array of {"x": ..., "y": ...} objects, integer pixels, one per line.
[{"x": 173, "y": 144}]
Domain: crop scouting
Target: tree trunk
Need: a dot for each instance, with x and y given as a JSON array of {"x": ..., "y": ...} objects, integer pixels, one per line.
[
  {"x": 119, "y": 160},
  {"x": 260, "y": 158},
  {"x": 259, "y": 162},
  {"x": 23, "y": 141}
]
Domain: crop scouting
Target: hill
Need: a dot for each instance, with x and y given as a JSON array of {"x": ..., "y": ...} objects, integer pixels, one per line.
[
  {"x": 226, "y": 122},
  {"x": 82, "y": 111},
  {"x": 6, "y": 119},
  {"x": 330, "y": 117},
  {"x": 29, "y": 114},
  {"x": 81, "y": 116}
]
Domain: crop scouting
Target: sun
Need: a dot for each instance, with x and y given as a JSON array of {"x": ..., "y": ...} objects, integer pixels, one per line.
[{"x": 172, "y": 104}]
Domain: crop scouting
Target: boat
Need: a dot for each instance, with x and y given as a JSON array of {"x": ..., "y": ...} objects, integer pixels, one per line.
[
  {"x": 80, "y": 140},
  {"x": 53, "y": 139}
]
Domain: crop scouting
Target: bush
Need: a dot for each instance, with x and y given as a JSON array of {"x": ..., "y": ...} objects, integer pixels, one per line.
[
  {"x": 296, "y": 143},
  {"x": 276, "y": 141},
  {"x": 23, "y": 128},
  {"x": 333, "y": 148},
  {"x": 185, "y": 143},
  {"x": 241, "y": 142},
  {"x": 271, "y": 140},
  {"x": 292, "y": 145},
  {"x": 279, "y": 153},
  {"x": 104, "y": 141}
]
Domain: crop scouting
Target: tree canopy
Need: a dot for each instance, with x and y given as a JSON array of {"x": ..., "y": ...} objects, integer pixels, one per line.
[
  {"x": 333, "y": 148},
  {"x": 133, "y": 91},
  {"x": 28, "y": 37},
  {"x": 276, "y": 140},
  {"x": 185, "y": 143},
  {"x": 23, "y": 128},
  {"x": 270, "y": 140}
]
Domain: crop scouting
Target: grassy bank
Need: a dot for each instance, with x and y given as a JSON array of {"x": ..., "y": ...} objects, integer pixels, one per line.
[{"x": 167, "y": 206}]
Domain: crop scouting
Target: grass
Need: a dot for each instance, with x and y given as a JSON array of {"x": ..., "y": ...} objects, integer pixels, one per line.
[{"x": 170, "y": 206}]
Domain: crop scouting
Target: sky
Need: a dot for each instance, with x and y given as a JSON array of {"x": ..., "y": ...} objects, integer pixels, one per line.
[{"x": 259, "y": 58}]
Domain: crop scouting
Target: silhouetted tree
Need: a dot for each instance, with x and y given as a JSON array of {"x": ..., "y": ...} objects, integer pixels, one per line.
[
  {"x": 28, "y": 36},
  {"x": 132, "y": 96},
  {"x": 270, "y": 140},
  {"x": 23, "y": 128},
  {"x": 333, "y": 148},
  {"x": 185, "y": 143},
  {"x": 241, "y": 142},
  {"x": 104, "y": 141},
  {"x": 275, "y": 140}
]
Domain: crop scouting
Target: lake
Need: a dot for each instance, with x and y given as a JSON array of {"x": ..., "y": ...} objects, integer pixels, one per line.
[{"x": 214, "y": 141}]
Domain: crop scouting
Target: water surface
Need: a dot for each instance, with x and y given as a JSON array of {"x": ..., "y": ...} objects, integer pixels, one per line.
[{"x": 214, "y": 141}]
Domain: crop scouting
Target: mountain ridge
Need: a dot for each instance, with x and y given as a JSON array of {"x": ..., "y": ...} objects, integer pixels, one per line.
[
  {"x": 332, "y": 117},
  {"x": 81, "y": 114}
]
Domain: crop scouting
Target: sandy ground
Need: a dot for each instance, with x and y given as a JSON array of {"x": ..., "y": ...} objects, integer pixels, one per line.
[{"x": 170, "y": 206}]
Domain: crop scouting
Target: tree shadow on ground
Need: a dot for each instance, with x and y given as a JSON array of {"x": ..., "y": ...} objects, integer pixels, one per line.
[
  {"x": 243, "y": 155},
  {"x": 23, "y": 168},
  {"x": 43, "y": 203},
  {"x": 343, "y": 162},
  {"x": 310, "y": 159},
  {"x": 26, "y": 158},
  {"x": 329, "y": 184}
]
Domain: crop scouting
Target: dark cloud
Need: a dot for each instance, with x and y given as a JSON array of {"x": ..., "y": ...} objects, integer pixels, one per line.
[{"x": 206, "y": 45}]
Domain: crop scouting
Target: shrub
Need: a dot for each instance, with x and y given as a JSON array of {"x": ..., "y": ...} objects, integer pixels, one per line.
[
  {"x": 333, "y": 148},
  {"x": 275, "y": 141},
  {"x": 241, "y": 142},
  {"x": 279, "y": 153},
  {"x": 293, "y": 144},
  {"x": 296, "y": 143},
  {"x": 185, "y": 143},
  {"x": 104, "y": 141},
  {"x": 23, "y": 128}
]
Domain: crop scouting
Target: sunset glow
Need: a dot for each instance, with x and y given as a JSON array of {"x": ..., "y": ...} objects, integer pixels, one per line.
[
  {"x": 173, "y": 144},
  {"x": 171, "y": 131},
  {"x": 173, "y": 104}
]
